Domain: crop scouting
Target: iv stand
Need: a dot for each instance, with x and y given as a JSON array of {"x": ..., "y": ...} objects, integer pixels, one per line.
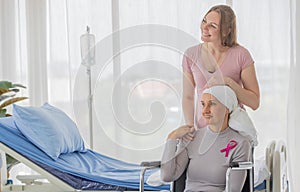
[
  {"x": 90, "y": 104},
  {"x": 87, "y": 42}
]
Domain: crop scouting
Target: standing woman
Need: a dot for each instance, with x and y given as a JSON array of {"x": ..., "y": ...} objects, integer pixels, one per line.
[{"x": 218, "y": 60}]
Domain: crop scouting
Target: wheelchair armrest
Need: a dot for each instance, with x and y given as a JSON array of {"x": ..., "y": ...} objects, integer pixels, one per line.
[
  {"x": 147, "y": 165},
  {"x": 241, "y": 165},
  {"x": 153, "y": 164}
]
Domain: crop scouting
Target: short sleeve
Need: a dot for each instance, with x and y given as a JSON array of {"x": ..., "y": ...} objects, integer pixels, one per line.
[
  {"x": 245, "y": 58},
  {"x": 189, "y": 58},
  {"x": 186, "y": 64}
]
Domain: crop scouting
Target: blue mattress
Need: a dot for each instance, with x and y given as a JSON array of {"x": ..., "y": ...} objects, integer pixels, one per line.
[{"x": 86, "y": 171}]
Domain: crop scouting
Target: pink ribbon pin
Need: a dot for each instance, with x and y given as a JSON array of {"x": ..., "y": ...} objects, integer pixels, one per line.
[{"x": 232, "y": 144}]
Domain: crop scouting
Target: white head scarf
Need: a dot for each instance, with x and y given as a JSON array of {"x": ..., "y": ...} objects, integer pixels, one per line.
[{"x": 238, "y": 119}]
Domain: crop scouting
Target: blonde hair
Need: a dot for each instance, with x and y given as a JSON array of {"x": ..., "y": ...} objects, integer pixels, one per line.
[{"x": 228, "y": 32}]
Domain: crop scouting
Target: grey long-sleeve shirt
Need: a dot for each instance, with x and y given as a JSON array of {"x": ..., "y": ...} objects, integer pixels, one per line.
[{"x": 206, "y": 160}]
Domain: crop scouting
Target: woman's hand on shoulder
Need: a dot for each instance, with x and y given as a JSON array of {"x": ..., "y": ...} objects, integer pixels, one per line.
[{"x": 186, "y": 131}]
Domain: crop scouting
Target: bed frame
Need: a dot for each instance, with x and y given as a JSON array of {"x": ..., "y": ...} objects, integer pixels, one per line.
[
  {"x": 279, "y": 172},
  {"x": 54, "y": 185},
  {"x": 276, "y": 161}
]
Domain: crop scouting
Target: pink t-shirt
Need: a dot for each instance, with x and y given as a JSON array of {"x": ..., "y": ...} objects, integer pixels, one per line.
[{"x": 236, "y": 59}]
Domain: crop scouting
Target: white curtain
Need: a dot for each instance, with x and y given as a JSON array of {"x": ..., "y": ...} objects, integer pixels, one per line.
[
  {"x": 293, "y": 98},
  {"x": 138, "y": 81},
  {"x": 11, "y": 69},
  {"x": 36, "y": 36}
]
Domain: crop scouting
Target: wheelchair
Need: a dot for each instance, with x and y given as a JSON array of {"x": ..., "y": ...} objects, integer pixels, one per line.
[{"x": 179, "y": 184}]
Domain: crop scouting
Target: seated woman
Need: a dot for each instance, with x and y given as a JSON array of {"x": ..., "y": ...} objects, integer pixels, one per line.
[{"x": 208, "y": 155}]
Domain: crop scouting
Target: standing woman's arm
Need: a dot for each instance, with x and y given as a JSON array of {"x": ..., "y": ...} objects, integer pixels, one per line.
[
  {"x": 248, "y": 94},
  {"x": 188, "y": 98}
]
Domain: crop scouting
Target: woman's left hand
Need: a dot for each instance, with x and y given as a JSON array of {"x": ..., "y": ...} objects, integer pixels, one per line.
[{"x": 183, "y": 131}]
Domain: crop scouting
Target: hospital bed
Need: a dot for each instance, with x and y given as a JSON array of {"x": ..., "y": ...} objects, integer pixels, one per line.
[
  {"x": 77, "y": 171},
  {"x": 101, "y": 172}
]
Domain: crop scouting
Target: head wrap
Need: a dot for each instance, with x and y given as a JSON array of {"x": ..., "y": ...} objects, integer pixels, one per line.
[{"x": 238, "y": 118}]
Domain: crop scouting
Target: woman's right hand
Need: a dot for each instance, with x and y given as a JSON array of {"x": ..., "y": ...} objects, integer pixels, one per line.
[{"x": 186, "y": 131}]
